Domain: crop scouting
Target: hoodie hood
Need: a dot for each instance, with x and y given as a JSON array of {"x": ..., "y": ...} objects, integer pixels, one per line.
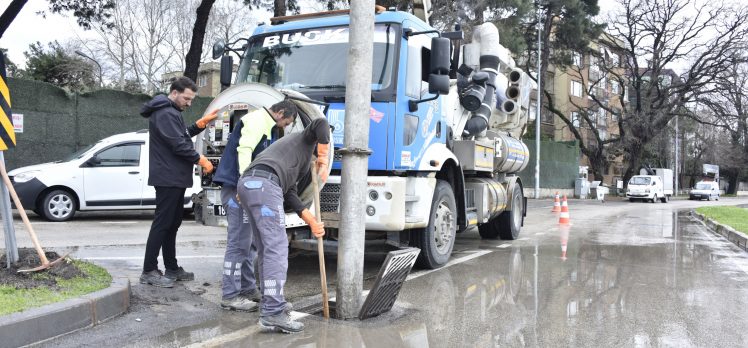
[
  {"x": 158, "y": 102},
  {"x": 318, "y": 131}
]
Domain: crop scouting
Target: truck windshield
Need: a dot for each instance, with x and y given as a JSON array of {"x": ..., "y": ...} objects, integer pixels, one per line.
[
  {"x": 639, "y": 180},
  {"x": 314, "y": 59}
]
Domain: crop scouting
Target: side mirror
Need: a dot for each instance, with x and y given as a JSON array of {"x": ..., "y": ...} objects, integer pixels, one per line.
[
  {"x": 92, "y": 162},
  {"x": 219, "y": 47},
  {"x": 438, "y": 71},
  {"x": 227, "y": 67}
]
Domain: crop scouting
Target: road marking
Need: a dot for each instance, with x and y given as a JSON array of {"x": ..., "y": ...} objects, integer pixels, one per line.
[
  {"x": 450, "y": 263},
  {"x": 118, "y": 222},
  {"x": 101, "y": 258},
  {"x": 505, "y": 245},
  {"x": 540, "y": 234},
  {"x": 523, "y": 238}
]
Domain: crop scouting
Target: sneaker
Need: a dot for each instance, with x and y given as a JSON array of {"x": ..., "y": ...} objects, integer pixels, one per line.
[
  {"x": 179, "y": 274},
  {"x": 239, "y": 303},
  {"x": 280, "y": 322},
  {"x": 155, "y": 278},
  {"x": 251, "y": 295}
]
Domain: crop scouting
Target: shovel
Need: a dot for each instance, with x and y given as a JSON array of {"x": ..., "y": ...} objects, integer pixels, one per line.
[
  {"x": 45, "y": 263},
  {"x": 320, "y": 246}
]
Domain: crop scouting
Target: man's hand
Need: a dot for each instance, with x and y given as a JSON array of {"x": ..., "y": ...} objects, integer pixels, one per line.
[
  {"x": 318, "y": 228},
  {"x": 203, "y": 121},
  {"x": 322, "y": 164},
  {"x": 205, "y": 163}
]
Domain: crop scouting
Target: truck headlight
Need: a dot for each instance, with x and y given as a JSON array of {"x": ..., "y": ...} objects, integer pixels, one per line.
[
  {"x": 646, "y": 191},
  {"x": 26, "y": 176}
]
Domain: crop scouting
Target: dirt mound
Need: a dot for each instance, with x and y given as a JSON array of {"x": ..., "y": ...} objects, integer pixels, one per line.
[{"x": 27, "y": 259}]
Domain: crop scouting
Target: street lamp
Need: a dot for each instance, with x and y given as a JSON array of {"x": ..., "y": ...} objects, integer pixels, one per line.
[{"x": 101, "y": 82}]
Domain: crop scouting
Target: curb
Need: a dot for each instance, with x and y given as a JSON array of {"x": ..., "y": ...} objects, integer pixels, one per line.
[
  {"x": 56, "y": 319},
  {"x": 737, "y": 238}
]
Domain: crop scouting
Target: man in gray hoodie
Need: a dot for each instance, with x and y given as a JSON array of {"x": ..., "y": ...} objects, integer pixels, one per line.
[
  {"x": 271, "y": 181},
  {"x": 171, "y": 157}
]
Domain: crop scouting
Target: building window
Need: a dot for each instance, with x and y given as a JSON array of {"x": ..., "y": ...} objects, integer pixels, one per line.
[
  {"x": 549, "y": 83},
  {"x": 575, "y": 119},
  {"x": 576, "y": 88},
  {"x": 202, "y": 81},
  {"x": 601, "y": 120},
  {"x": 615, "y": 87},
  {"x": 576, "y": 59},
  {"x": 546, "y": 116}
]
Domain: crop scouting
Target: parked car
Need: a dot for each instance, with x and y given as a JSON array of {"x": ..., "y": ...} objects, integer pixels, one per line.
[
  {"x": 111, "y": 174},
  {"x": 705, "y": 190}
]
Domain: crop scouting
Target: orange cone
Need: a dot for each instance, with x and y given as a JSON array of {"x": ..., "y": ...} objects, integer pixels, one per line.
[
  {"x": 556, "y": 204},
  {"x": 564, "y": 229},
  {"x": 563, "y": 218}
]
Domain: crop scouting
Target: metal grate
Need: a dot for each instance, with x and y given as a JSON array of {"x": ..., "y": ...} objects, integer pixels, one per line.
[
  {"x": 470, "y": 198},
  {"x": 390, "y": 279},
  {"x": 329, "y": 198}
]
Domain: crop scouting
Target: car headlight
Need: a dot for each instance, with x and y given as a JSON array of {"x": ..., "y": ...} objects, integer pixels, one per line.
[{"x": 26, "y": 176}]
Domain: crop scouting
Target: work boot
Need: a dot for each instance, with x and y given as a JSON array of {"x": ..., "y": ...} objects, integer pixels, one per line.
[
  {"x": 252, "y": 295},
  {"x": 155, "y": 278},
  {"x": 239, "y": 303},
  {"x": 179, "y": 274},
  {"x": 280, "y": 322}
]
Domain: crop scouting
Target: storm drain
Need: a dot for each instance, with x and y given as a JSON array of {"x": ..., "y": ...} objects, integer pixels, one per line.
[{"x": 390, "y": 279}]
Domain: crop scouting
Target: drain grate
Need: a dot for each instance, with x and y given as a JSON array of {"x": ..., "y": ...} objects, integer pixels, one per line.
[{"x": 390, "y": 279}]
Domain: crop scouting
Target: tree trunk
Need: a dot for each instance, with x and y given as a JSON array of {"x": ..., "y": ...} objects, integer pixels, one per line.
[
  {"x": 10, "y": 14},
  {"x": 192, "y": 59},
  {"x": 280, "y": 8}
]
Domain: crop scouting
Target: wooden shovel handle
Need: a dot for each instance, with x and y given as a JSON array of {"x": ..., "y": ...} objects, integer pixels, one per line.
[{"x": 320, "y": 246}]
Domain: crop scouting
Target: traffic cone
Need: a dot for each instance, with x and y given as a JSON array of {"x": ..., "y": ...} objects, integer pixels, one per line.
[
  {"x": 564, "y": 229},
  {"x": 563, "y": 218},
  {"x": 556, "y": 204}
]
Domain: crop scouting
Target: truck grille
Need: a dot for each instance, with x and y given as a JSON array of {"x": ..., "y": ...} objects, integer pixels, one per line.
[{"x": 329, "y": 198}]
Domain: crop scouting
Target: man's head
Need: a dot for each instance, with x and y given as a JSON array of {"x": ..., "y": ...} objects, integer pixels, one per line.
[
  {"x": 182, "y": 92},
  {"x": 284, "y": 113}
]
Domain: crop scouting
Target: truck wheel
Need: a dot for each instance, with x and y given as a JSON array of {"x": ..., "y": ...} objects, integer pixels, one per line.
[
  {"x": 664, "y": 199},
  {"x": 654, "y": 198},
  {"x": 508, "y": 224},
  {"x": 58, "y": 205},
  {"x": 437, "y": 239}
]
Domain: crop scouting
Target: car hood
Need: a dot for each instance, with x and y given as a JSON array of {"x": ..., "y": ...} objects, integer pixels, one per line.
[{"x": 43, "y": 166}]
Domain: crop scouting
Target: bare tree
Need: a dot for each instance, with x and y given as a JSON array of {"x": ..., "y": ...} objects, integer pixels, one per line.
[{"x": 660, "y": 34}]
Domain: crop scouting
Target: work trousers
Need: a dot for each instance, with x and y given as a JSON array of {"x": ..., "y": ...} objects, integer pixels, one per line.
[
  {"x": 262, "y": 199},
  {"x": 238, "y": 261},
  {"x": 163, "y": 234}
]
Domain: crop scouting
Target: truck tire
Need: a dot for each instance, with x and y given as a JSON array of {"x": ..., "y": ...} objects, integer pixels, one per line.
[
  {"x": 508, "y": 224},
  {"x": 58, "y": 205},
  {"x": 664, "y": 199},
  {"x": 437, "y": 239},
  {"x": 654, "y": 198}
]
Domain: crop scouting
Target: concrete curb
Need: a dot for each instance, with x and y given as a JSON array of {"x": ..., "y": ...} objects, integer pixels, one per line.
[
  {"x": 737, "y": 238},
  {"x": 42, "y": 323}
]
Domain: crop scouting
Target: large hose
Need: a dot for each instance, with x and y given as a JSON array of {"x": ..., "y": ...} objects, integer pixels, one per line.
[{"x": 487, "y": 36}]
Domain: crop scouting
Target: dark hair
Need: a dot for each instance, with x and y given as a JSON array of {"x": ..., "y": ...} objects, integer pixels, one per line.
[
  {"x": 181, "y": 83},
  {"x": 289, "y": 108}
]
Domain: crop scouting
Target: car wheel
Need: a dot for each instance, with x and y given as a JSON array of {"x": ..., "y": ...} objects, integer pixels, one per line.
[
  {"x": 654, "y": 198},
  {"x": 664, "y": 199},
  {"x": 58, "y": 205}
]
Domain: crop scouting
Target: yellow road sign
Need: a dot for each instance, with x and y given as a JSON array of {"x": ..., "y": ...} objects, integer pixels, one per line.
[{"x": 7, "y": 134}]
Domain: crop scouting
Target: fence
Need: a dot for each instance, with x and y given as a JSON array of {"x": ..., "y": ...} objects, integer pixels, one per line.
[
  {"x": 57, "y": 123},
  {"x": 559, "y": 165}
]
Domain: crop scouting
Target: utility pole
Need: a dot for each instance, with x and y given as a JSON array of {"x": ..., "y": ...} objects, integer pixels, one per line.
[
  {"x": 677, "y": 174},
  {"x": 355, "y": 160},
  {"x": 537, "y": 113}
]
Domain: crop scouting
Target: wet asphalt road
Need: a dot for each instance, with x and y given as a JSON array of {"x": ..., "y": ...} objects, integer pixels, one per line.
[{"x": 634, "y": 274}]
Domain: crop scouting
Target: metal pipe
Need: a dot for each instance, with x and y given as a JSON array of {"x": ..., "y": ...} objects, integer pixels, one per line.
[
  {"x": 355, "y": 160},
  {"x": 11, "y": 248}
]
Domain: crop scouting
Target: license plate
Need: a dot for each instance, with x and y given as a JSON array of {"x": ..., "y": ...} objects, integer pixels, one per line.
[{"x": 218, "y": 210}]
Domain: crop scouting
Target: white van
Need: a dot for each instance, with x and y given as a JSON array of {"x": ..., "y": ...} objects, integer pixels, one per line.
[
  {"x": 646, "y": 188},
  {"x": 111, "y": 174},
  {"x": 705, "y": 189}
]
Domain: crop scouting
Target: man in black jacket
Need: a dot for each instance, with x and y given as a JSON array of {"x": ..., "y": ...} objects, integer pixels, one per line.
[
  {"x": 171, "y": 157},
  {"x": 270, "y": 181}
]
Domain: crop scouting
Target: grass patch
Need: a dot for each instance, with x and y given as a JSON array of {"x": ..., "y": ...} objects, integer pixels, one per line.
[
  {"x": 16, "y": 300},
  {"x": 734, "y": 217}
]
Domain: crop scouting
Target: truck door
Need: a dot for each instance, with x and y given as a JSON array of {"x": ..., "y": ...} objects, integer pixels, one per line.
[{"x": 416, "y": 130}]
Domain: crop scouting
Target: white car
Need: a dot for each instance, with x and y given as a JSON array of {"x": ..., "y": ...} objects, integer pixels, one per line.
[
  {"x": 705, "y": 189},
  {"x": 111, "y": 174}
]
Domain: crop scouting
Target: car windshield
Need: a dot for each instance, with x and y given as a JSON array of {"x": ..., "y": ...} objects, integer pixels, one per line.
[
  {"x": 702, "y": 186},
  {"x": 78, "y": 154},
  {"x": 640, "y": 180},
  {"x": 282, "y": 60}
]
